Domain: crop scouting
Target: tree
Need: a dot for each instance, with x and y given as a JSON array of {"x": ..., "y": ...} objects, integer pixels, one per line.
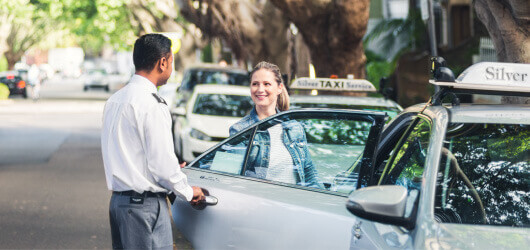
[
  {"x": 333, "y": 30},
  {"x": 254, "y": 30},
  {"x": 23, "y": 25},
  {"x": 508, "y": 24}
]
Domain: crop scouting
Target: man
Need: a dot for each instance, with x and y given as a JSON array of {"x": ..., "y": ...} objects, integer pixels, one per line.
[{"x": 140, "y": 164}]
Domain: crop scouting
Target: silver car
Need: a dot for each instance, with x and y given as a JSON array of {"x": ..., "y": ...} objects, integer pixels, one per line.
[
  {"x": 437, "y": 176},
  {"x": 453, "y": 176}
]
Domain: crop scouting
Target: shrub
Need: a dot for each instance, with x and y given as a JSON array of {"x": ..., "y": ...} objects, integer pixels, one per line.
[{"x": 4, "y": 91}]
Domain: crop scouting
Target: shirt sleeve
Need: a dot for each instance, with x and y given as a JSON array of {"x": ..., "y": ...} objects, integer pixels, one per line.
[{"x": 160, "y": 154}]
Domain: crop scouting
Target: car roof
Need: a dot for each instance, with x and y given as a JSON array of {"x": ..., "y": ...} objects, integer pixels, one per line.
[
  {"x": 348, "y": 100},
  {"x": 482, "y": 113},
  {"x": 215, "y": 67},
  {"x": 222, "y": 89},
  {"x": 502, "y": 113}
]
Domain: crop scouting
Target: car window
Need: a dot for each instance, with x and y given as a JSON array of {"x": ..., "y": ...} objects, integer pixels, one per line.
[
  {"x": 229, "y": 157},
  {"x": 485, "y": 175},
  {"x": 407, "y": 161},
  {"x": 222, "y": 105},
  {"x": 323, "y": 151}
]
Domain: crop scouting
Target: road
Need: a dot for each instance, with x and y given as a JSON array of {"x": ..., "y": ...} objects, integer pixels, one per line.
[{"x": 52, "y": 183}]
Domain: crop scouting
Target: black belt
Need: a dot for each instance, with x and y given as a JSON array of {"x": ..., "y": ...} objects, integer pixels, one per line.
[{"x": 136, "y": 194}]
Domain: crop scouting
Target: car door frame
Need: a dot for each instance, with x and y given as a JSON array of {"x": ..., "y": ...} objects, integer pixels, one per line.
[{"x": 424, "y": 218}]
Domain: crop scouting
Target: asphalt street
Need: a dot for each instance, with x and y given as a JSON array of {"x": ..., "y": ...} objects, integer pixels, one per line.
[{"x": 53, "y": 192}]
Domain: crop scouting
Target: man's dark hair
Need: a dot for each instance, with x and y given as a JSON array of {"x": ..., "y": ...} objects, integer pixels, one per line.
[{"x": 148, "y": 49}]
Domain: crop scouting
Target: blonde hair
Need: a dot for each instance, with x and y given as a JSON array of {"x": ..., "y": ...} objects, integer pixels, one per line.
[{"x": 283, "y": 99}]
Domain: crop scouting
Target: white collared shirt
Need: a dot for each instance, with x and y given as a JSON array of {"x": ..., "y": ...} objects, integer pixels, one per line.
[{"x": 137, "y": 143}]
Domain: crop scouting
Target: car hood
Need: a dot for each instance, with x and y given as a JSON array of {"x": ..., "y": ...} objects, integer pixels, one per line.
[
  {"x": 480, "y": 237},
  {"x": 214, "y": 126}
]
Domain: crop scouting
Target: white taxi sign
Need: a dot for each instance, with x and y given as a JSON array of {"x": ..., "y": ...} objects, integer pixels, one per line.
[
  {"x": 360, "y": 85},
  {"x": 491, "y": 76}
]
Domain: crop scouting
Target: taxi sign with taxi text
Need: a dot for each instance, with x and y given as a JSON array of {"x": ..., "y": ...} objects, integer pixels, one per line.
[{"x": 333, "y": 84}]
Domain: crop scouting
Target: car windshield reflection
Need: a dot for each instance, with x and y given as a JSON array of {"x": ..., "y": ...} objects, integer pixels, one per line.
[{"x": 222, "y": 105}]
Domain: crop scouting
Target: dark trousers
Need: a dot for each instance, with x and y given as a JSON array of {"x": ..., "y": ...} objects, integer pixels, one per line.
[{"x": 140, "y": 226}]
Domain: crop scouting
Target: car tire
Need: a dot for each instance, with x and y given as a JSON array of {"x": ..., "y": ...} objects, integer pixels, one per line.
[
  {"x": 25, "y": 94},
  {"x": 85, "y": 88},
  {"x": 107, "y": 88}
]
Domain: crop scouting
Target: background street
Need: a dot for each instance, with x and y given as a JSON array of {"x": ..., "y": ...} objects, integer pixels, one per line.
[{"x": 53, "y": 192}]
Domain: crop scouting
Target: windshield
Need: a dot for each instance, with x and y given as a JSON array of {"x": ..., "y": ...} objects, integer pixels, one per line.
[
  {"x": 194, "y": 77},
  {"x": 485, "y": 175},
  {"x": 222, "y": 105},
  {"x": 391, "y": 111}
]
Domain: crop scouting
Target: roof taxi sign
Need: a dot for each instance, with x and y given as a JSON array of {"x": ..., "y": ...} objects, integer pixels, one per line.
[
  {"x": 359, "y": 85},
  {"x": 489, "y": 76}
]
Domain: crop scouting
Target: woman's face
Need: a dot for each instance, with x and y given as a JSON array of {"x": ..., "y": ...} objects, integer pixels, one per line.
[{"x": 264, "y": 89}]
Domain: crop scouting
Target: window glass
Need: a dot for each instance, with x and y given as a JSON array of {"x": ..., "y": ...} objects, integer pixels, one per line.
[
  {"x": 228, "y": 158},
  {"x": 222, "y": 105},
  {"x": 322, "y": 150},
  {"x": 484, "y": 175},
  {"x": 406, "y": 167}
]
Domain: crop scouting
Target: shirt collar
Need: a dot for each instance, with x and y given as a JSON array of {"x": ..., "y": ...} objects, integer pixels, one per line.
[{"x": 144, "y": 82}]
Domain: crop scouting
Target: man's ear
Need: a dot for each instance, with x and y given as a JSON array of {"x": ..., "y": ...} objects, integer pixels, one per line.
[{"x": 162, "y": 64}]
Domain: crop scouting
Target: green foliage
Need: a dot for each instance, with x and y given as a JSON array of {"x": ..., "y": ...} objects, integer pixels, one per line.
[
  {"x": 408, "y": 34},
  {"x": 376, "y": 70},
  {"x": 206, "y": 55},
  {"x": 4, "y": 91},
  {"x": 56, "y": 23},
  {"x": 3, "y": 63}
]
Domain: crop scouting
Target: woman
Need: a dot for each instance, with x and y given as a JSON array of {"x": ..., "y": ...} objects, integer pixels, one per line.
[{"x": 286, "y": 142}]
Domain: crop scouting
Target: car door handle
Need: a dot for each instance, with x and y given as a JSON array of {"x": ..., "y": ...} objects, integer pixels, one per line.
[{"x": 210, "y": 200}]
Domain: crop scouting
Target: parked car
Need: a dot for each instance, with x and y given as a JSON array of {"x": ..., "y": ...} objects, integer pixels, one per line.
[
  {"x": 15, "y": 83},
  {"x": 357, "y": 99},
  {"x": 206, "y": 120},
  {"x": 453, "y": 175},
  {"x": 96, "y": 79},
  {"x": 208, "y": 74}
]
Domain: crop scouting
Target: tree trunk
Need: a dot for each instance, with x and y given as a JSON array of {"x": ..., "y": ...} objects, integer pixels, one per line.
[
  {"x": 12, "y": 58},
  {"x": 508, "y": 24},
  {"x": 333, "y": 31},
  {"x": 254, "y": 30}
]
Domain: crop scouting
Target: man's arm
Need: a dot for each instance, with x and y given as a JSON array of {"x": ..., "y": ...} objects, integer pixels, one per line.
[{"x": 161, "y": 158}]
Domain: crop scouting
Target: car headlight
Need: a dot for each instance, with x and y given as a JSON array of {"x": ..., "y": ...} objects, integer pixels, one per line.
[{"x": 199, "y": 135}]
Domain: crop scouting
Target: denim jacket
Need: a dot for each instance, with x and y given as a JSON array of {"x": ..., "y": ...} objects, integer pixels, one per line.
[{"x": 295, "y": 141}]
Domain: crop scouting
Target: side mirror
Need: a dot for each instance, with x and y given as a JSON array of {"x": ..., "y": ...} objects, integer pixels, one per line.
[
  {"x": 385, "y": 204},
  {"x": 178, "y": 111}
]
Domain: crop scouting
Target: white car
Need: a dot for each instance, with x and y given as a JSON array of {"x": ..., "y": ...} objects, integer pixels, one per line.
[
  {"x": 207, "y": 117},
  {"x": 437, "y": 176}
]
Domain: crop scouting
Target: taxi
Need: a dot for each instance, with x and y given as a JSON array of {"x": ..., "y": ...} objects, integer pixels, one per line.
[
  {"x": 353, "y": 95},
  {"x": 437, "y": 176},
  {"x": 450, "y": 175}
]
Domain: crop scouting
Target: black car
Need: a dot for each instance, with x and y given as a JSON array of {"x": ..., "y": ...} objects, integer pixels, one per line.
[
  {"x": 15, "y": 83},
  {"x": 209, "y": 74}
]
